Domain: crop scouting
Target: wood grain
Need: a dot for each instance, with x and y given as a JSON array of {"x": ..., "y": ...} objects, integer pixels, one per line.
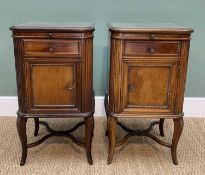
[
  {"x": 148, "y": 89},
  {"x": 50, "y": 87}
]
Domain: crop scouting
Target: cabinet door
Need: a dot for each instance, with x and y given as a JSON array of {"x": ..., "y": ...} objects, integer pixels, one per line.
[
  {"x": 53, "y": 84},
  {"x": 150, "y": 86}
]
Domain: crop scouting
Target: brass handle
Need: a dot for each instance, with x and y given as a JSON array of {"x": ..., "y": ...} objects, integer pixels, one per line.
[
  {"x": 131, "y": 87},
  {"x": 50, "y": 35},
  {"x": 51, "y": 49},
  {"x": 70, "y": 86},
  {"x": 151, "y": 50}
]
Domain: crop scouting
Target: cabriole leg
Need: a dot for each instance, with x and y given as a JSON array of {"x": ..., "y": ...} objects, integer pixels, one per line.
[
  {"x": 178, "y": 127},
  {"x": 161, "y": 127},
  {"x": 89, "y": 129},
  {"x": 108, "y": 125},
  {"x": 36, "y": 120},
  {"x": 21, "y": 128},
  {"x": 112, "y": 137}
]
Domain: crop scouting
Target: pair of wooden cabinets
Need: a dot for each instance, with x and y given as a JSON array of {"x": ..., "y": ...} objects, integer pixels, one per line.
[{"x": 54, "y": 76}]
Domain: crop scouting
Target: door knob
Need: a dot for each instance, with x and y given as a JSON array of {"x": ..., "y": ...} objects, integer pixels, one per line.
[
  {"x": 51, "y": 49},
  {"x": 70, "y": 86},
  {"x": 131, "y": 87},
  {"x": 152, "y": 36},
  {"x": 50, "y": 35}
]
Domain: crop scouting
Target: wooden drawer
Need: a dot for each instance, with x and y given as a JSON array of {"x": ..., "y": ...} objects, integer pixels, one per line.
[
  {"x": 51, "y": 47},
  {"x": 150, "y": 48},
  {"x": 51, "y": 35},
  {"x": 150, "y": 36}
]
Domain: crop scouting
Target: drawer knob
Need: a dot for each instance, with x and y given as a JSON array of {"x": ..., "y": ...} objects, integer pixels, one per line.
[
  {"x": 152, "y": 36},
  {"x": 50, "y": 35},
  {"x": 131, "y": 87},
  {"x": 151, "y": 50},
  {"x": 51, "y": 49}
]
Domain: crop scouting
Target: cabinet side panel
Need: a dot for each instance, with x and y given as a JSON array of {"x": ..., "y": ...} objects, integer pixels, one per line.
[
  {"x": 87, "y": 73},
  {"x": 182, "y": 76},
  {"x": 18, "y": 53},
  {"x": 116, "y": 78}
]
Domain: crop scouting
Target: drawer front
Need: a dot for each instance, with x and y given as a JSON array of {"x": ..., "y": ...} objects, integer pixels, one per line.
[
  {"x": 49, "y": 35},
  {"x": 52, "y": 47},
  {"x": 150, "y": 36},
  {"x": 150, "y": 48}
]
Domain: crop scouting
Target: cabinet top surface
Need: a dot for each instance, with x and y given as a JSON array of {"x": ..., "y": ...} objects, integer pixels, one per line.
[
  {"x": 148, "y": 27},
  {"x": 70, "y": 26}
]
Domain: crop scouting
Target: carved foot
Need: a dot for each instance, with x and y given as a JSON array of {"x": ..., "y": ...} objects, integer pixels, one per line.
[
  {"x": 178, "y": 127},
  {"x": 21, "y": 128},
  {"x": 112, "y": 137}
]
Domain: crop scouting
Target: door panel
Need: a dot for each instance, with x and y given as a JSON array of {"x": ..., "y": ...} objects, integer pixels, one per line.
[
  {"x": 150, "y": 86},
  {"x": 53, "y": 85}
]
